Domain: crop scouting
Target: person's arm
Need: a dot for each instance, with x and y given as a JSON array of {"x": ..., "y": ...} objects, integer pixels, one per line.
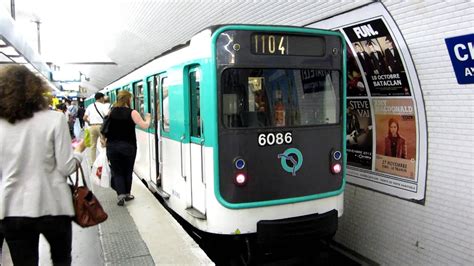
[
  {"x": 65, "y": 162},
  {"x": 86, "y": 116},
  {"x": 144, "y": 124}
]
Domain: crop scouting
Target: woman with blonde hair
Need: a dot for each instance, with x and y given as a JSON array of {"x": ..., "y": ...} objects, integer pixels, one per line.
[
  {"x": 122, "y": 144},
  {"x": 36, "y": 157}
]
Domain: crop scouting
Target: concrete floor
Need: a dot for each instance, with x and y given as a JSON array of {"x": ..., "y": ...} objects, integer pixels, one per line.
[
  {"x": 141, "y": 231},
  {"x": 86, "y": 248}
]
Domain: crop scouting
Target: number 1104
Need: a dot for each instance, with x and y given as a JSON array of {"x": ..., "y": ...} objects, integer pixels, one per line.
[{"x": 271, "y": 44}]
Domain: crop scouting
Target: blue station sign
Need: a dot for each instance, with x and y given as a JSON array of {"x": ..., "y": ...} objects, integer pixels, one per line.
[{"x": 461, "y": 51}]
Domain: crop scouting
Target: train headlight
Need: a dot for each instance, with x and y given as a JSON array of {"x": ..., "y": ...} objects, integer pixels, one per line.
[
  {"x": 240, "y": 179},
  {"x": 336, "y": 168}
]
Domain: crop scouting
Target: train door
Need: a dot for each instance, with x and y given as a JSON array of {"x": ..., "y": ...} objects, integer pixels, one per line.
[
  {"x": 166, "y": 159},
  {"x": 196, "y": 176},
  {"x": 143, "y": 159},
  {"x": 153, "y": 138}
]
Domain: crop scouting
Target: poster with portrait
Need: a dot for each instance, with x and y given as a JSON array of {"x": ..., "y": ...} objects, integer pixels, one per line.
[
  {"x": 379, "y": 58},
  {"x": 359, "y": 133},
  {"x": 395, "y": 137}
]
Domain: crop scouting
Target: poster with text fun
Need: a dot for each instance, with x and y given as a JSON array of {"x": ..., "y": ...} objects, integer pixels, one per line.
[{"x": 379, "y": 58}]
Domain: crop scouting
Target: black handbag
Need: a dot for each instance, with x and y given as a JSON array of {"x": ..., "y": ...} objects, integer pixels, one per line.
[
  {"x": 104, "y": 129},
  {"x": 87, "y": 209}
]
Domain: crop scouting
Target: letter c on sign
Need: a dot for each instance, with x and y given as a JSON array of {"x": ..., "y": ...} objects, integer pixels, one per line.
[{"x": 457, "y": 47}]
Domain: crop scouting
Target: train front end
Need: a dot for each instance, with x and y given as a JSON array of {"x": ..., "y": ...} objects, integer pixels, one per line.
[{"x": 280, "y": 160}]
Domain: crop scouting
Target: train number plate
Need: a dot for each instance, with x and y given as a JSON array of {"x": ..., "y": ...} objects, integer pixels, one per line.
[{"x": 270, "y": 139}]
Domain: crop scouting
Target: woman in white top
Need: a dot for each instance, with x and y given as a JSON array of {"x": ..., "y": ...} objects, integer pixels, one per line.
[{"x": 35, "y": 157}]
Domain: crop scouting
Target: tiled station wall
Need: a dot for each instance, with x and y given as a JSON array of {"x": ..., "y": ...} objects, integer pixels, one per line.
[{"x": 392, "y": 231}]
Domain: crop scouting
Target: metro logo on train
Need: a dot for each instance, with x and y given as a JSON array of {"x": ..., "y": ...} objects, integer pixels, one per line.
[{"x": 461, "y": 51}]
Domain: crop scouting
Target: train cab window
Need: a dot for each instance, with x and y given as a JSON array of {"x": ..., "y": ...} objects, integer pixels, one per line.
[
  {"x": 194, "y": 105},
  {"x": 256, "y": 98},
  {"x": 139, "y": 99},
  {"x": 165, "y": 118}
]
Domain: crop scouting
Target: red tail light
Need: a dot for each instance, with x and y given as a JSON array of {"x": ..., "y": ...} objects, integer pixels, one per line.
[
  {"x": 336, "y": 168},
  {"x": 240, "y": 179}
]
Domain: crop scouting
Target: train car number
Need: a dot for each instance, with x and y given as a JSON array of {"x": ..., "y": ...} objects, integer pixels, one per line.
[{"x": 270, "y": 139}]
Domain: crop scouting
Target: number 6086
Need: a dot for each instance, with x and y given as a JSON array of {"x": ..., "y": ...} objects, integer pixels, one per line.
[{"x": 270, "y": 139}]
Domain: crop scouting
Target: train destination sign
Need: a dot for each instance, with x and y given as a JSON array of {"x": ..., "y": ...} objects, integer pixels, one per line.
[{"x": 293, "y": 45}]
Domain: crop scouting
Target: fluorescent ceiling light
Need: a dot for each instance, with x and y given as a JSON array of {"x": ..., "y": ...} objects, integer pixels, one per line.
[{"x": 2, "y": 43}]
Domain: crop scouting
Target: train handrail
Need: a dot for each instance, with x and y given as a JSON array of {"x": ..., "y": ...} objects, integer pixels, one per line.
[
  {"x": 181, "y": 149},
  {"x": 202, "y": 153}
]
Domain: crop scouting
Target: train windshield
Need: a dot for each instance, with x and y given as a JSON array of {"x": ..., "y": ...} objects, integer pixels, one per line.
[{"x": 265, "y": 97}]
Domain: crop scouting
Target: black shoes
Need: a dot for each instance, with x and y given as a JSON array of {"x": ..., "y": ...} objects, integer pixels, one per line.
[{"x": 121, "y": 202}]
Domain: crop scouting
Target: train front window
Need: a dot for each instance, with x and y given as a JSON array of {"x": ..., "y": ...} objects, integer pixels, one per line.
[{"x": 260, "y": 98}]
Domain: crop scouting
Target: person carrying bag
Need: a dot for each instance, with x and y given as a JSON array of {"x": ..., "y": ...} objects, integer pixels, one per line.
[
  {"x": 94, "y": 116},
  {"x": 122, "y": 144},
  {"x": 36, "y": 157},
  {"x": 88, "y": 210}
]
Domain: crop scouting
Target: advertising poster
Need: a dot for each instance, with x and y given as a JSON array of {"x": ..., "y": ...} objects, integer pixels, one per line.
[
  {"x": 359, "y": 133},
  {"x": 379, "y": 58},
  {"x": 396, "y": 137},
  {"x": 386, "y": 137}
]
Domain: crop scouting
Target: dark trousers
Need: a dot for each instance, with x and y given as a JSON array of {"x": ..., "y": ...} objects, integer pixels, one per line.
[
  {"x": 22, "y": 236},
  {"x": 122, "y": 159},
  {"x": 81, "y": 122}
]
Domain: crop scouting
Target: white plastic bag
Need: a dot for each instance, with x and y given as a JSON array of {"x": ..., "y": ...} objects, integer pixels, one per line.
[{"x": 100, "y": 174}]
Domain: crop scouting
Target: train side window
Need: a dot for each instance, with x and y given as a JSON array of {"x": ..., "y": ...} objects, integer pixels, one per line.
[
  {"x": 151, "y": 100},
  {"x": 194, "y": 77},
  {"x": 165, "y": 119},
  {"x": 156, "y": 89},
  {"x": 113, "y": 96},
  {"x": 139, "y": 102}
]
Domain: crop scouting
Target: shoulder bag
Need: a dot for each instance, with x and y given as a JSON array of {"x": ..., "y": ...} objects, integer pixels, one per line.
[
  {"x": 104, "y": 129},
  {"x": 88, "y": 211}
]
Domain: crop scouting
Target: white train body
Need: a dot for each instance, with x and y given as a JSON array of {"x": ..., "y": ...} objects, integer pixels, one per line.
[{"x": 195, "y": 162}]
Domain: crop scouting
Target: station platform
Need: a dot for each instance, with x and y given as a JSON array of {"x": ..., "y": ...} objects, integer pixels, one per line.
[{"x": 142, "y": 232}]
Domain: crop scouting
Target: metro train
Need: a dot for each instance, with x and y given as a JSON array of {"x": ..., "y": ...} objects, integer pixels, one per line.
[{"x": 248, "y": 130}]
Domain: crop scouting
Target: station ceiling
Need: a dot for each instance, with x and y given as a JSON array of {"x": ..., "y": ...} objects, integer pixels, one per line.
[{"x": 106, "y": 39}]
